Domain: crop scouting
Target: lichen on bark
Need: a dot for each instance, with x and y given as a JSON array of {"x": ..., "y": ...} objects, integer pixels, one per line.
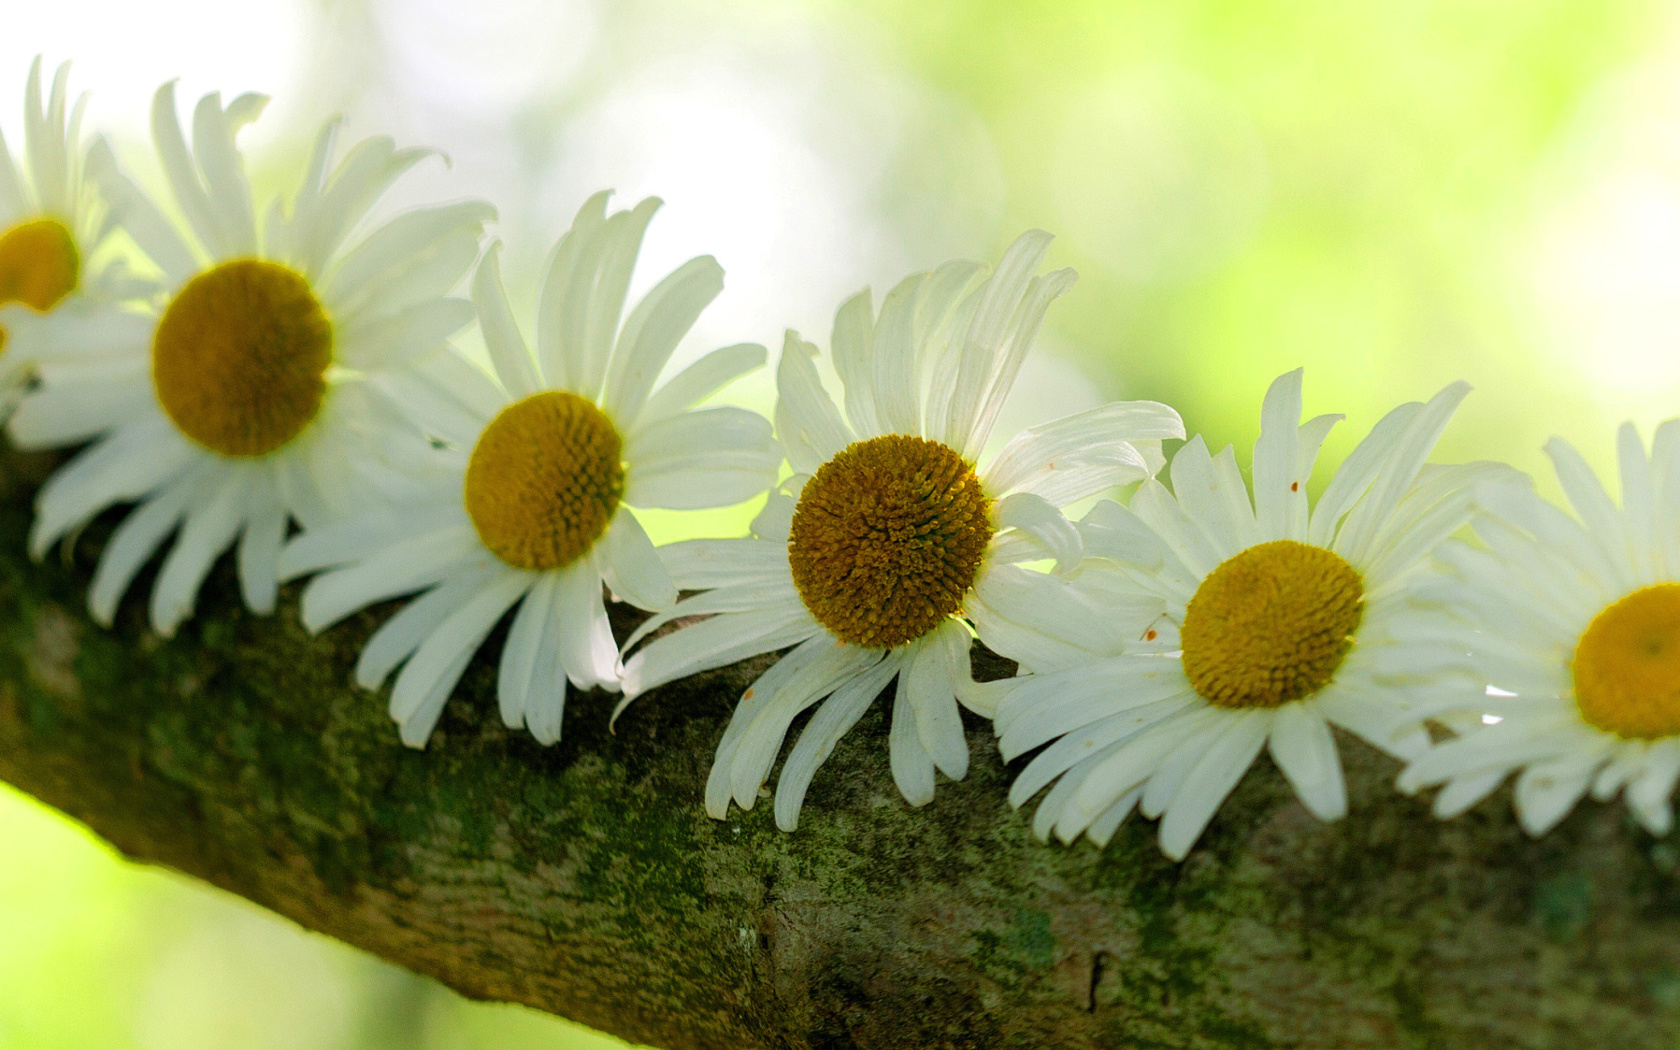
[{"x": 585, "y": 878}]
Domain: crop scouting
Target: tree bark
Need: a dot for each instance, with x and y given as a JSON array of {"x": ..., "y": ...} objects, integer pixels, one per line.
[{"x": 586, "y": 880}]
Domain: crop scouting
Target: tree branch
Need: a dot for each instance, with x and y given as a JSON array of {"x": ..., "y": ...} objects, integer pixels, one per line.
[{"x": 586, "y": 880}]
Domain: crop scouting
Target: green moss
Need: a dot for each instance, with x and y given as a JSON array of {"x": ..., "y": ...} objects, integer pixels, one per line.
[{"x": 1563, "y": 904}]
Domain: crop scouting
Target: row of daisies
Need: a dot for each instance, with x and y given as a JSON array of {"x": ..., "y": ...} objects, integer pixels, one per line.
[{"x": 278, "y": 378}]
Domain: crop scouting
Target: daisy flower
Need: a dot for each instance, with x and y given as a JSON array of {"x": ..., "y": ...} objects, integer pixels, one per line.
[
  {"x": 52, "y": 222},
  {"x": 530, "y": 502},
  {"x": 889, "y": 540},
  {"x": 1275, "y": 620},
  {"x": 1574, "y": 623},
  {"x": 253, "y": 390}
]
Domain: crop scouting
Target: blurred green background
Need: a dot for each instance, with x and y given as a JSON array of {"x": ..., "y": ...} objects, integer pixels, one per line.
[{"x": 1394, "y": 195}]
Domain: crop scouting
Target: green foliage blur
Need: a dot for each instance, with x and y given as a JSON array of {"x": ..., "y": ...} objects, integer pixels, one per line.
[
  {"x": 1394, "y": 195},
  {"x": 99, "y": 953}
]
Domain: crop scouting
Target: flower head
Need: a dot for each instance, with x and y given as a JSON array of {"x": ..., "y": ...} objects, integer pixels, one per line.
[
  {"x": 895, "y": 535},
  {"x": 532, "y": 500},
  {"x": 53, "y": 225},
  {"x": 1571, "y": 625},
  {"x": 1249, "y": 621},
  {"x": 258, "y": 384}
]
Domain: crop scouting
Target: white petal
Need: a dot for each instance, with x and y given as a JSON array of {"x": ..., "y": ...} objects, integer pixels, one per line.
[
  {"x": 448, "y": 396},
  {"x": 1461, "y": 793},
  {"x": 363, "y": 536},
  {"x": 402, "y": 567},
  {"x": 509, "y": 354},
  {"x": 1212, "y": 779},
  {"x": 1188, "y": 540},
  {"x": 1032, "y": 515},
  {"x": 762, "y": 738},
  {"x": 932, "y": 669},
  {"x": 1638, "y": 489},
  {"x": 1651, "y": 792},
  {"x": 414, "y": 623},
  {"x": 156, "y": 236},
  {"x": 1041, "y": 292},
  {"x": 209, "y": 530},
  {"x": 1493, "y": 748},
  {"x": 1305, "y": 752},
  {"x": 912, "y": 767},
  {"x": 774, "y": 596},
  {"x": 620, "y": 241},
  {"x": 1623, "y": 764},
  {"x": 1358, "y": 471},
  {"x": 1118, "y": 534},
  {"x": 259, "y": 555},
  {"x": 752, "y": 701},
  {"x": 632, "y": 567},
  {"x": 415, "y": 725},
  {"x": 126, "y": 465},
  {"x": 587, "y": 649},
  {"x": 229, "y": 195},
  {"x": 1592, "y": 504},
  {"x": 374, "y": 343},
  {"x": 1226, "y": 519},
  {"x": 1099, "y": 438},
  {"x": 460, "y": 633},
  {"x": 74, "y": 404},
  {"x": 1103, "y": 828},
  {"x": 713, "y": 643},
  {"x": 807, "y": 423},
  {"x": 1278, "y": 488},
  {"x": 851, "y": 349},
  {"x": 1010, "y": 298},
  {"x": 707, "y": 480},
  {"x": 833, "y": 720},
  {"x": 775, "y": 522},
  {"x": 179, "y": 168},
  {"x": 1042, "y": 707},
  {"x": 134, "y": 542},
  {"x": 13, "y": 197},
  {"x": 1547, "y": 791},
  {"x": 545, "y": 704},
  {"x": 703, "y": 564},
  {"x": 530, "y": 674},
  {"x": 712, "y": 457},
  {"x": 390, "y": 256},
  {"x": 1042, "y": 620},
  {"x": 323, "y": 221},
  {"x": 1172, "y": 769},
  {"x": 1091, "y": 748},
  {"x": 945, "y": 306},
  {"x": 652, "y": 332},
  {"x": 703, "y": 378},
  {"x": 1360, "y": 534},
  {"x": 563, "y": 308}
]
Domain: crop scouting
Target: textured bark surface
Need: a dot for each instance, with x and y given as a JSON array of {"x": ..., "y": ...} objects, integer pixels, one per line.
[{"x": 585, "y": 879}]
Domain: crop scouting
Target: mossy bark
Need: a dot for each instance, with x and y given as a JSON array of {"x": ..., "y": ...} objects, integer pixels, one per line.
[{"x": 586, "y": 880}]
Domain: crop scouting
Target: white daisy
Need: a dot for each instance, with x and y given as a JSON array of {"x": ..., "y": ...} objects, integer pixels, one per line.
[
  {"x": 254, "y": 390},
  {"x": 1276, "y": 620},
  {"x": 530, "y": 503},
  {"x": 888, "y": 541},
  {"x": 53, "y": 224},
  {"x": 1574, "y": 621}
]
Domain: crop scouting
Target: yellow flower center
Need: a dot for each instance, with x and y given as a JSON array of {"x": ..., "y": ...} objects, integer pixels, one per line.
[
  {"x": 39, "y": 265},
  {"x": 544, "y": 480},
  {"x": 1271, "y": 625},
  {"x": 887, "y": 538},
  {"x": 1627, "y": 665},
  {"x": 240, "y": 357}
]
